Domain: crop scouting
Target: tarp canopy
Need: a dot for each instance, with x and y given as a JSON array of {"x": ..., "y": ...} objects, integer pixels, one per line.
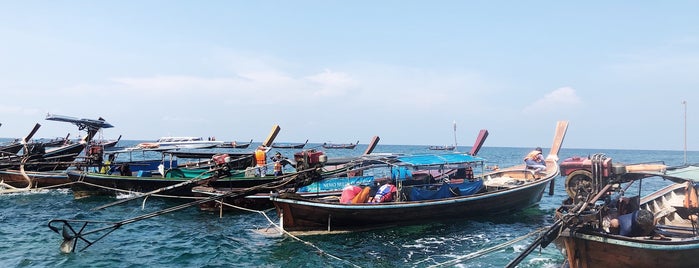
[
  {"x": 439, "y": 159},
  {"x": 677, "y": 174}
]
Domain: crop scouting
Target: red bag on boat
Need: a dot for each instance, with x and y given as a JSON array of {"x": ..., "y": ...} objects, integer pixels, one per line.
[{"x": 349, "y": 192}]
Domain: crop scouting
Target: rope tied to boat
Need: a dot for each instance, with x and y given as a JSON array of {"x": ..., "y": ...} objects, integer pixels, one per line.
[
  {"x": 282, "y": 231},
  {"x": 72, "y": 235},
  {"x": 485, "y": 251}
]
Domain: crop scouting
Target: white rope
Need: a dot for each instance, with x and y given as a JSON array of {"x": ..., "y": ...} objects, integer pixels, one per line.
[
  {"x": 322, "y": 252},
  {"x": 484, "y": 251}
]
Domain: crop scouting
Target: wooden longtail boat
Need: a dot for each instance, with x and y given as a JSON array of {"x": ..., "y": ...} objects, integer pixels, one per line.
[
  {"x": 179, "y": 181},
  {"x": 503, "y": 191},
  {"x": 92, "y": 183},
  {"x": 442, "y": 148},
  {"x": 289, "y": 146},
  {"x": 334, "y": 176},
  {"x": 11, "y": 149},
  {"x": 38, "y": 158},
  {"x": 106, "y": 143},
  {"x": 236, "y": 145},
  {"x": 34, "y": 179},
  {"x": 340, "y": 145},
  {"x": 657, "y": 230}
]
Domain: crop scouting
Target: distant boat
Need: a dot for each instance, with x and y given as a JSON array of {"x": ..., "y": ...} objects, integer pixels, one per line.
[
  {"x": 106, "y": 143},
  {"x": 443, "y": 148},
  {"x": 171, "y": 143},
  {"x": 236, "y": 145},
  {"x": 446, "y": 147},
  {"x": 340, "y": 145},
  {"x": 289, "y": 146}
]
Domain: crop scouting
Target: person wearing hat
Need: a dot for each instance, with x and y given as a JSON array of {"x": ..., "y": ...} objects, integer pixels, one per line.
[{"x": 535, "y": 160}]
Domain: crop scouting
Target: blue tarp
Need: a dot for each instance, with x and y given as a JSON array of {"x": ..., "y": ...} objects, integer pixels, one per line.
[
  {"x": 446, "y": 190},
  {"x": 433, "y": 159}
]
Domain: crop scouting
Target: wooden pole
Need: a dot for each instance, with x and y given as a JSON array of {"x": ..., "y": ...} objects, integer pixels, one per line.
[{"x": 685, "y": 131}]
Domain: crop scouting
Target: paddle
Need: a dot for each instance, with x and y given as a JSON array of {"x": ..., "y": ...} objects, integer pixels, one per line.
[
  {"x": 71, "y": 235},
  {"x": 558, "y": 226}
]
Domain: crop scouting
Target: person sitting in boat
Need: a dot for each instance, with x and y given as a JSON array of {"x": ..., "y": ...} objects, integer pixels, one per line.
[
  {"x": 535, "y": 160},
  {"x": 107, "y": 167},
  {"x": 124, "y": 169},
  {"x": 261, "y": 161},
  {"x": 637, "y": 223}
]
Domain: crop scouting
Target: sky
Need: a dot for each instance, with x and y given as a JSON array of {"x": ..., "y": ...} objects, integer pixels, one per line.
[{"x": 342, "y": 71}]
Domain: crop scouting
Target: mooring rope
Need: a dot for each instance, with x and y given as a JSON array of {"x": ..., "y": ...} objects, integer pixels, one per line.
[
  {"x": 321, "y": 251},
  {"x": 133, "y": 192},
  {"x": 485, "y": 251}
]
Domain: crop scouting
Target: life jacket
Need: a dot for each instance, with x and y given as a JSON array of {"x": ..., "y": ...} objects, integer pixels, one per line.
[
  {"x": 533, "y": 155},
  {"x": 277, "y": 166},
  {"x": 260, "y": 158}
]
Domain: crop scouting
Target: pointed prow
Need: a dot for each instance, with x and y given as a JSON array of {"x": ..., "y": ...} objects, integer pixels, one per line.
[{"x": 561, "y": 129}]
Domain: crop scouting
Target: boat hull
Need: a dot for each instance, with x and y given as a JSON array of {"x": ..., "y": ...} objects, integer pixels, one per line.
[
  {"x": 673, "y": 243},
  {"x": 590, "y": 250},
  {"x": 307, "y": 215},
  {"x": 91, "y": 184},
  {"x": 15, "y": 178}
]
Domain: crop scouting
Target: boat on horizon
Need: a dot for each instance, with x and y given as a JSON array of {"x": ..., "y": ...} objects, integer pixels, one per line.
[
  {"x": 340, "y": 145},
  {"x": 289, "y": 145},
  {"x": 442, "y": 148},
  {"x": 235, "y": 145}
]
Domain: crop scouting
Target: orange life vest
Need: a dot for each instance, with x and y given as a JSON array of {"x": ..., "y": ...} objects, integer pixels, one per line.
[
  {"x": 278, "y": 166},
  {"x": 260, "y": 157}
]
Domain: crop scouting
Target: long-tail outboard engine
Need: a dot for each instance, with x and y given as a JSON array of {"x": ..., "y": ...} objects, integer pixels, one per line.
[
  {"x": 309, "y": 159},
  {"x": 589, "y": 175},
  {"x": 223, "y": 165}
]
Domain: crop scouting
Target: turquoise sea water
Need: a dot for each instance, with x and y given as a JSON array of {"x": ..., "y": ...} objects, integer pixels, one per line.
[{"x": 192, "y": 238}]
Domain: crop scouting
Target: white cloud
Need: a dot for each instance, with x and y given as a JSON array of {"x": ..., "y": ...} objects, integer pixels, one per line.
[
  {"x": 18, "y": 110},
  {"x": 564, "y": 96},
  {"x": 330, "y": 84}
]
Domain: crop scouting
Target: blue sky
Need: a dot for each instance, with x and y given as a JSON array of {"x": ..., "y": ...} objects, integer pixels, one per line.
[{"x": 343, "y": 71}]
